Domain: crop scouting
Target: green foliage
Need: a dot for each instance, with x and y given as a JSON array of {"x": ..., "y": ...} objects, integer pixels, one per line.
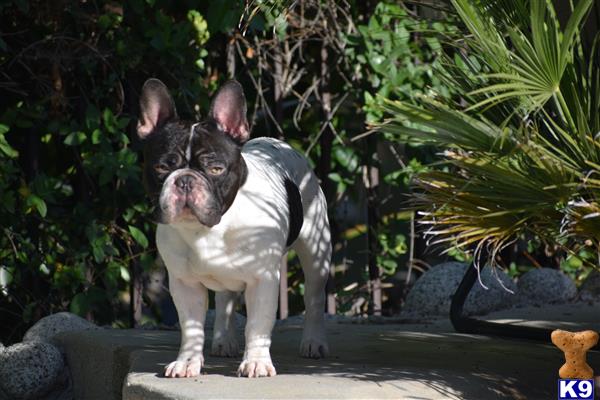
[
  {"x": 396, "y": 63},
  {"x": 74, "y": 215},
  {"x": 393, "y": 245},
  {"x": 522, "y": 151}
]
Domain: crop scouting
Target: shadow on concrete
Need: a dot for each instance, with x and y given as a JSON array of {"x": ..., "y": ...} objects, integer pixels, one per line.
[
  {"x": 452, "y": 365},
  {"x": 366, "y": 361}
]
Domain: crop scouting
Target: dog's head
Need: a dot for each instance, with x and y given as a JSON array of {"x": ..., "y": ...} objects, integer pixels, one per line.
[{"x": 193, "y": 170}]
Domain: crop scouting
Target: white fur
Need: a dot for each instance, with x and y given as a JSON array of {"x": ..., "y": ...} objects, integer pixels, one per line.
[
  {"x": 243, "y": 253},
  {"x": 188, "y": 150}
]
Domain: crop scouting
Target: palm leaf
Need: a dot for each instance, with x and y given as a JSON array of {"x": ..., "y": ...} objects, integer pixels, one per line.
[{"x": 521, "y": 157}]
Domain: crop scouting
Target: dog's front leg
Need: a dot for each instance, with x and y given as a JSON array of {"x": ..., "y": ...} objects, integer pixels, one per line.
[
  {"x": 191, "y": 301},
  {"x": 261, "y": 306}
]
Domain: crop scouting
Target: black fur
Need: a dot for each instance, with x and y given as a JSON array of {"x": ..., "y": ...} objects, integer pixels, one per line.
[
  {"x": 294, "y": 201},
  {"x": 216, "y": 143},
  {"x": 164, "y": 152}
]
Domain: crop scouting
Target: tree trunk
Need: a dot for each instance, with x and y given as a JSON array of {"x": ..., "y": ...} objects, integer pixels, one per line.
[
  {"x": 231, "y": 57},
  {"x": 324, "y": 166},
  {"x": 278, "y": 98},
  {"x": 135, "y": 295},
  {"x": 371, "y": 178}
]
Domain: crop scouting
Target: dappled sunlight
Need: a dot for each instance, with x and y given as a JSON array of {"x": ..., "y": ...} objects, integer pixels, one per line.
[
  {"x": 543, "y": 323},
  {"x": 457, "y": 383}
]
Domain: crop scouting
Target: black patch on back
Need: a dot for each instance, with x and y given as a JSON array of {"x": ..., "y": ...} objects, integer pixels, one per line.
[{"x": 294, "y": 201}]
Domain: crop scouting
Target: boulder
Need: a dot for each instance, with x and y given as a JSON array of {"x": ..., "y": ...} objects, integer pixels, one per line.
[
  {"x": 590, "y": 289},
  {"x": 46, "y": 328},
  {"x": 30, "y": 370},
  {"x": 545, "y": 286},
  {"x": 432, "y": 293}
]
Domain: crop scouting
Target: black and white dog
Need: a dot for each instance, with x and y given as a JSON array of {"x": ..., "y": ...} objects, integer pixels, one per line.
[{"x": 228, "y": 209}]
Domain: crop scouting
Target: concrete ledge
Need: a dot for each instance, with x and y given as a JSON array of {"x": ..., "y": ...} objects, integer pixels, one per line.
[
  {"x": 368, "y": 361},
  {"x": 100, "y": 360}
]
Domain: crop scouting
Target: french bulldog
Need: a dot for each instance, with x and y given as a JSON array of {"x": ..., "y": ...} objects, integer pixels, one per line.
[{"x": 227, "y": 210}]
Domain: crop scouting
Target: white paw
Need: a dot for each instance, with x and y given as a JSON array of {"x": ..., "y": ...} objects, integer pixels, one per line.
[
  {"x": 314, "y": 347},
  {"x": 184, "y": 369},
  {"x": 225, "y": 347},
  {"x": 256, "y": 368}
]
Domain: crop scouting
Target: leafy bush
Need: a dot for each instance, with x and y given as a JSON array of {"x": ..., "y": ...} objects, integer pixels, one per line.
[{"x": 75, "y": 221}]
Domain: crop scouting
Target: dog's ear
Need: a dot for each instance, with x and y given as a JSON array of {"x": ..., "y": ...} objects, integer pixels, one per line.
[
  {"x": 228, "y": 109},
  {"x": 156, "y": 107}
]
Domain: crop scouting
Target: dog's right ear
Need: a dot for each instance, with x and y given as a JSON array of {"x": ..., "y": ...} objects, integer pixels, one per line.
[{"x": 156, "y": 107}]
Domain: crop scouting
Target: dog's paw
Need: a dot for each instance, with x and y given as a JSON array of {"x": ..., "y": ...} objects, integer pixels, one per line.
[
  {"x": 314, "y": 347},
  {"x": 225, "y": 347},
  {"x": 184, "y": 369},
  {"x": 256, "y": 368}
]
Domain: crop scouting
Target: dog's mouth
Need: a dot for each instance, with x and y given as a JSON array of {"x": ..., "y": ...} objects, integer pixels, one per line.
[{"x": 188, "y": 212}]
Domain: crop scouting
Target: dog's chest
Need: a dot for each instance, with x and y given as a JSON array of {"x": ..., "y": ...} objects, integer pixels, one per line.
[
  {"x": 221, "y": 260},
  {"x": 245, "y": 246}
]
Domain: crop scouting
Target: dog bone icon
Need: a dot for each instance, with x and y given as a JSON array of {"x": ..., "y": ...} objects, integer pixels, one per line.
[{"x": 575, "y": 346}]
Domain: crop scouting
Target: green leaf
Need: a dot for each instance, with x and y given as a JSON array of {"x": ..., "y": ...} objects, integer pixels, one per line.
[
  {"x": 139, "y": 236},
  {"x": 110, "y": 121},
  {"x": 200, "y": 26},
  {"x": 573, "y": 25},
  {"x": 96, "y": 136},
  {"x": 335, "y": 177},
  {"x": 8, "y": 200},
  {"x": 125, "y": 274},
  {"x": 38, "y": 203},
  {"x": 75, "y": 138},
  {"x": 105, "y": 21},
  {"x": 79, "y": 305},
  {"x": 4, "y": 146},
  {"x": 93, "y": 300}
]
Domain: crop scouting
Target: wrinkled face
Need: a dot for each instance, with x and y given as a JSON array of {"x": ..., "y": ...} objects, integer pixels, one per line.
[{"x": 192, "y": 171}]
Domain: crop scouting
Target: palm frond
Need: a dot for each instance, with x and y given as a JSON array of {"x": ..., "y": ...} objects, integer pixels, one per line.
[
  {"x": 582, "y": 218},
  {"x": 522, "y": 145}
]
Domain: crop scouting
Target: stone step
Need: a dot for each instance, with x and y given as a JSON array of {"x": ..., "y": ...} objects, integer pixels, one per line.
[{"x": 387, "y": 361}]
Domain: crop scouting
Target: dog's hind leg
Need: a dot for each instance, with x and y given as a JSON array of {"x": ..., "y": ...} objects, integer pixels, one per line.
[
  {"x": 313, "y": 247},
  {"x": 225, "y": 343}
]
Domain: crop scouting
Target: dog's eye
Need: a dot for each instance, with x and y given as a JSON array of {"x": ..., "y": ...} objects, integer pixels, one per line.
[
  {"x": 168, "y": 163},
  {"x": 161, "y": 169},
  {"x": 173, "y": 160},
  {"x": 216, "y": 170}
]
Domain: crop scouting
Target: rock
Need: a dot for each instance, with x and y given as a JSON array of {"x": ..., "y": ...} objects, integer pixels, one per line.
[
  {"x": 432, "y": 293},
  {"x": 590, "y": 289},
  {"x": 149, "y": 326},
  {"x": 46, "y": 328},
  {"x": 30, "y": 370},
  {"x": 545, "y": 286}
]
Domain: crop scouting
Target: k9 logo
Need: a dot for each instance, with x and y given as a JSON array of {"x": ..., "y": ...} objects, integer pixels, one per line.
[{"x": 575, "y": 389}]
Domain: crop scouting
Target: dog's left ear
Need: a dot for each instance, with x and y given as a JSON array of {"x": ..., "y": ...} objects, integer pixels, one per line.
[{"x": 228, "y": 109}]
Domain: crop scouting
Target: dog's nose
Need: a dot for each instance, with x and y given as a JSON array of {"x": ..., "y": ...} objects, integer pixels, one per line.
[{"x": 185, "y": 183}]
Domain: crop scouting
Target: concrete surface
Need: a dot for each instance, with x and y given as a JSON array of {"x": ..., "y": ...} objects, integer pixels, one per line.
[{"x": 369, "y": 361}]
